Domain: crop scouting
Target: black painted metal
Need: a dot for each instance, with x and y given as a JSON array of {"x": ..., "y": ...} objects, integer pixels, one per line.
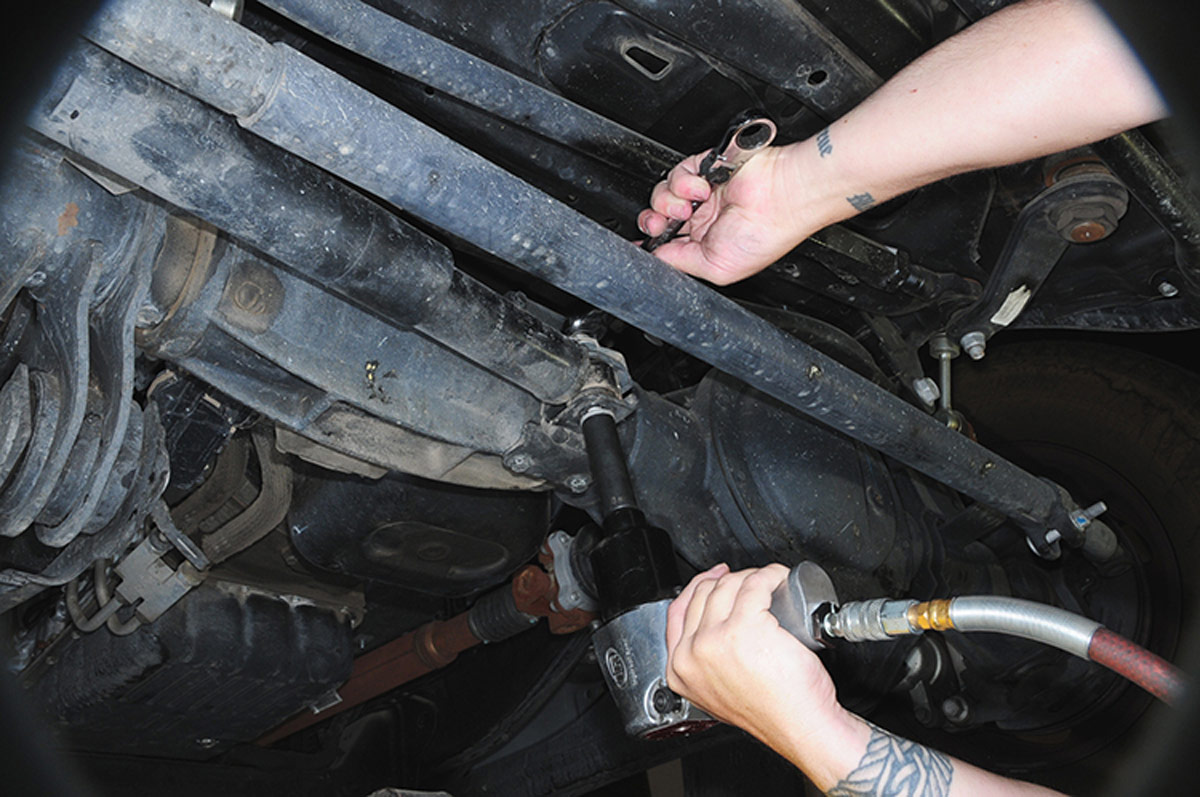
[
  {"x": 435, "y": 538},
  {"x": 1156, "y": 186},
  {"x": 1034, "y": 246},
  {"x": 856, "y": 258},
  {"x": 324, "y": 118},
  {"x": 887, "y": 34},
  {"x": 804, "y": 494},
  {"x": 606, "y": 458},
  {"x": 633, "y": 562},
  {"x": 791, "y": 48},
  {"x": 977, "y": 9},
  {"x": 402, "y": 48}
]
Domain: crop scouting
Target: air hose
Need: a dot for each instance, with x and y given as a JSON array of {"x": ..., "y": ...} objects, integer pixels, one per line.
[{"x": 879, "y": 619}]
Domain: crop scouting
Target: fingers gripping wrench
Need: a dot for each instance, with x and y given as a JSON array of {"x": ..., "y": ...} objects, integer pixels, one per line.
[{"x": 749, "y": 134}]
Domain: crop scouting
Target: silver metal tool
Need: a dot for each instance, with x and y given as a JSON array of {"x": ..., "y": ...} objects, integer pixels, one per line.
[
  {"x": 798, "y": 603},
  {"x": 632, "y": 652},
  {"x": 749, "y": 134}
]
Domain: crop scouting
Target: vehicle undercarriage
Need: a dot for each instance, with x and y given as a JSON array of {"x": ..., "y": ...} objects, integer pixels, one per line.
[{"x": 305, "y": 304}]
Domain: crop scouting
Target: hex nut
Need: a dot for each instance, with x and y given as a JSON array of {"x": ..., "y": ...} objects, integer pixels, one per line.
[
  {"x": 926, "y": 390},
  {"x": 974, "y": 344}
]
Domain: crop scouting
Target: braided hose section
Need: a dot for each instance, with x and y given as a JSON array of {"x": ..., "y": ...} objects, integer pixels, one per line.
[{"x": 1153, "y": 673}]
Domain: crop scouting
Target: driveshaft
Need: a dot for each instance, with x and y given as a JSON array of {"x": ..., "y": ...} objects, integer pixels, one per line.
[{"x": 311, "y": 111}]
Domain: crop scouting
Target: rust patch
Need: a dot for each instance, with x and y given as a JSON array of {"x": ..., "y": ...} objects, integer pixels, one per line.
[{"x": 68, "y": 219}]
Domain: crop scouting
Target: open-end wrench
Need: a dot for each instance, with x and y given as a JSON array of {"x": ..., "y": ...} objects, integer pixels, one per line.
[{"x": 749, "y": 133}]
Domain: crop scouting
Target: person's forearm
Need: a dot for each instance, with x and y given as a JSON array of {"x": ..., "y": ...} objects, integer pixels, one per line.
[
  {"x": 1032, "y": 79},
  {"x": 852, "y": 758}
]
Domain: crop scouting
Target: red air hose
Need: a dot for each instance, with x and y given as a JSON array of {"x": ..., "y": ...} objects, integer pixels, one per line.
[
  {"x": 1153, "y": 673},
  {"x": 881, "y": 618}
]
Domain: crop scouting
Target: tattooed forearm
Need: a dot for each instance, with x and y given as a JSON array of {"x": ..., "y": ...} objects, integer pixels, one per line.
[
  {"x": 895, "y": 767},
  {"x": 861, "y": 201},
  {"x": 824, "y": 145}
]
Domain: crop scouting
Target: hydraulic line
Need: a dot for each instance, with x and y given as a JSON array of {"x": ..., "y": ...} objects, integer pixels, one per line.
[
  {"x": 107, "y": 608},
  {"x": 317, "y": 114},
  {"x": 881, "y": 619}
]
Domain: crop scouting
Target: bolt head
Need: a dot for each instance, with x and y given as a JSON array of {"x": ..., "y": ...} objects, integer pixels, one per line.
[
  {"x": 148, "y": 315},
  {"x": 1087, "y": 231},
  {"x": 665, "y": 701},
  {"x": 1085, "y": 220},
  {"x": 975, "y": 344},
  {"x": 520, "y": 463},
  {"x": 578, "y": 483},
  {"x": 926, "y": 390},
  {"x": 955, "y": 709}
]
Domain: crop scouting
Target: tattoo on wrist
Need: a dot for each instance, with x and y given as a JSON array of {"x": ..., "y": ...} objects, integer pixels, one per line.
[
  {"x": 861, "y": 201},
  {"x": 824, "y": 145},
  {"x": 895, "y": 767}
]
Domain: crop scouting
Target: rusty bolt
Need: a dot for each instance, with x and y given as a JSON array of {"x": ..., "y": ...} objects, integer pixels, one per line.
[
  {"x": 1091, "y": 218},
  {"x": 1088, "y": 231},
  {"x": 533, "y": 590}
]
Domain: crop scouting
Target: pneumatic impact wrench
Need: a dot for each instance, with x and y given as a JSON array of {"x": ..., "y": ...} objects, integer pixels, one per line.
[
  {"x": 636, "y": 577},
  {"x": 632, "y": 651}
]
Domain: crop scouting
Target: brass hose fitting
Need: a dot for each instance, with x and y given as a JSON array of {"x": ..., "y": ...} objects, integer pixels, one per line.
[{"x": 931, "y": 615}]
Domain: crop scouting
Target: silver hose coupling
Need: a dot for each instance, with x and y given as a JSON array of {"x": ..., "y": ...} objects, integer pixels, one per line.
[{"x": 869, "y": 621}]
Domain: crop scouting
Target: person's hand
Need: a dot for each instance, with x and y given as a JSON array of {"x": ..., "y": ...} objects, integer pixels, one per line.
[
  {"x": 743, "y": 226},
  {"x": 728, "y": 654}
]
